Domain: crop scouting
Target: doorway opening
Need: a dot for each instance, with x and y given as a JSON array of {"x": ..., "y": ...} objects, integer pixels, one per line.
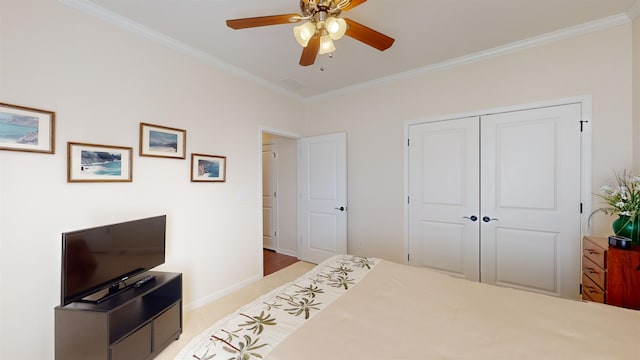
[
  {"x": 279, "y": 195},
  {"x": 273, "y": 261}
]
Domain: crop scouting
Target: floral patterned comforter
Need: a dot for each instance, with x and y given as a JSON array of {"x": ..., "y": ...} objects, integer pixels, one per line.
[{"x": 254, "y": 330}]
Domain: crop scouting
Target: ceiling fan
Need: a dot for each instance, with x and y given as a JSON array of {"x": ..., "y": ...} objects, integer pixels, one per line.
[{"x": 321, "y": 26}]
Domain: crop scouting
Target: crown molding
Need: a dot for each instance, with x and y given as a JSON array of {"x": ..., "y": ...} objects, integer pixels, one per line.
[
  {"x": 122, "y": 22},
  {"x": 535, "y": 41},
  {"x": 91, "y": 8}
]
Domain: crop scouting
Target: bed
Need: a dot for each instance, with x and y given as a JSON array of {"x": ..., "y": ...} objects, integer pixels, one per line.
[{"x": 351, "y": 307}]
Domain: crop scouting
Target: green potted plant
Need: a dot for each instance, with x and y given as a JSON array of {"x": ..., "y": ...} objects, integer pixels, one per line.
[{"x": 622, "y": 198}]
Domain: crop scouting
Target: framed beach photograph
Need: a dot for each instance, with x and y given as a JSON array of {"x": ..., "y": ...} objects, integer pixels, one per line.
[
  {"x": 208, "y": 168},
  {"x": 162, "y": 141},
  {"x": 27, "y": 129},
  {"x": 98, "y": 163}
]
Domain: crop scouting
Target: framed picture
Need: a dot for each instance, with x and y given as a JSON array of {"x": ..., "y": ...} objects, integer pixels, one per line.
[
  {"x": 162, "y": 141},
  {"x": 98, "y": 163},
  {"x": 27, "y": 129},
  {"x": 208, "y": 168}
]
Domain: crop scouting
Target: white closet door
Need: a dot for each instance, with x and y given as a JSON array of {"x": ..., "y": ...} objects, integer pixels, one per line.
[
  {"x": 443, "y": 190},
  {"x": 530, "y": 185},
  {"x": 519, "y": 173}
]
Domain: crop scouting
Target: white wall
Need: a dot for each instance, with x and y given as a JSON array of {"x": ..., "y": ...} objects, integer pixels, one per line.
[
  {"x": 287, "y": 192},
  {"x": 597, "y": 64},
  {"x": 102, "y": 82},
  {"x": 636, "y": 92}
]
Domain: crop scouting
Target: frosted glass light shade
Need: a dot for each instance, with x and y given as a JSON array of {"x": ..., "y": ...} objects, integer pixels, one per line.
[
  {"x": 304, "y": 33},
  {"x": 336, "y": 27},
  {"x": 326, "y": 45}
]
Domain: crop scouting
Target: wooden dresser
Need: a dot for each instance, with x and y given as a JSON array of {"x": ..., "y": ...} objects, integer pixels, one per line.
[{"x": 610, "y": 275}]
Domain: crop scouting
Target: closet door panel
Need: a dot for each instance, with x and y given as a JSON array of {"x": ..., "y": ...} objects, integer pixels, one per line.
[
  {"x": 443, "y": 190},
  {"x": 438, "y": 254},
  {"x": 526, "y": 257},
  {"x": 530, "y": 176},
  {"x": 526, "y": 165}
]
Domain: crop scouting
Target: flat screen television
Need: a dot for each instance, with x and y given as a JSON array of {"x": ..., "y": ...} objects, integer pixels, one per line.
[{"x": 104, "y": 257}]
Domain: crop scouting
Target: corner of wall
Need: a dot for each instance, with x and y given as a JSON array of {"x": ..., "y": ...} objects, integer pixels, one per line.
[
  {"x": 635, "y": 38},
  {"x": 634, "y": 11}
]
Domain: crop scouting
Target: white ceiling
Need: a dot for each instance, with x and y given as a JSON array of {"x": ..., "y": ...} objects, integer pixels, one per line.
[{"x": 428, "y": 33}]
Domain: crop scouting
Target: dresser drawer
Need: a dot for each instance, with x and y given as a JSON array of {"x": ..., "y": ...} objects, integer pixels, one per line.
[
  {"x": 595, "y": 253},
  {"x": 594, "y": 272},
  {"x": 593, "y": 291}
]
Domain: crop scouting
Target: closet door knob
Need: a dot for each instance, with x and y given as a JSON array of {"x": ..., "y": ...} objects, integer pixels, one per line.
[
  {"x": 487, "y": 219},
  {"x": 472, "y": 217}
]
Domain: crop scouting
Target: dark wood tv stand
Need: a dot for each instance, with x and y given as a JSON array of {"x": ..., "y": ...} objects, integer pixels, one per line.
[{"x": 135, "y": 324}]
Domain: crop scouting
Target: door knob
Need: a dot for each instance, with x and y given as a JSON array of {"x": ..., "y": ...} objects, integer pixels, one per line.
[
  {"x": 487, "y": 219},
  {"x": 341, "y": 208},
  {"x": 472, "y": 217}
]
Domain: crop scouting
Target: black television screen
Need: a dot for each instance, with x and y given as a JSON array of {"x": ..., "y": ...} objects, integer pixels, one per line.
[{"x": 101, "y": 257}]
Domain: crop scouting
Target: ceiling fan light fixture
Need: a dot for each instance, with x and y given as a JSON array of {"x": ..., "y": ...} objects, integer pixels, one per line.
[
  {"x": 326, "y": 45},
  {"x": 303, "y": 33},
  {"x": 336, "y": 27},
  {"x": 319, "y": 25}
]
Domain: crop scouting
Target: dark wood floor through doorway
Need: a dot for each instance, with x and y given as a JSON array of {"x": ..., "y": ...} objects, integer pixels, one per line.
[{"x": 274, "y": 261}]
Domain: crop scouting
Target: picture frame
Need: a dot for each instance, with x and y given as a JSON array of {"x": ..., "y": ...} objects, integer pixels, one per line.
[
  {"x": 27, "y": 129},
  {"x": 162, "y": 141},
  {"x": 99, "y": 163},
  {"x": 208, "y": 168}
]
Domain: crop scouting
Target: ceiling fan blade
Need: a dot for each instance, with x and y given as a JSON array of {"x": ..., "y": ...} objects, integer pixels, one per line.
[
  {"x": 263, "y": 21},
  {"x": 368, "y": 36},
  {"x": 310, "y": 52},
  {"x": 353, "y": 4}
]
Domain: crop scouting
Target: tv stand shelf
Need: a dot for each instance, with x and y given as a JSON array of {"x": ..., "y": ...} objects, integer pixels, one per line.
[{"x": 134, "y": 324}]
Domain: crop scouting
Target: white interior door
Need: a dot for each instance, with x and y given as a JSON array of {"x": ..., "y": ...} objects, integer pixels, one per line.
[
  {"x": 322, "y": 183},
  {"x": 531, "y": 187},
  {"x": 443, "y": 193},
  {"x": 269, "y": 203},
  {"x": 519, "y": 173}
]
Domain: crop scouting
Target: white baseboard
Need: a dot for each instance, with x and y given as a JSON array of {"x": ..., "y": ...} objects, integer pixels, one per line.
[{"x": 218, "y": 294}]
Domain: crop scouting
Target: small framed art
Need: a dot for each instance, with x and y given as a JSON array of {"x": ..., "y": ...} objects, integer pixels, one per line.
[
  {"x": 208, "y": 168},
  {"x": 27, "y": 129},
  {"x": 98, "y": 163},
  {"x": 162, "y": 141}
]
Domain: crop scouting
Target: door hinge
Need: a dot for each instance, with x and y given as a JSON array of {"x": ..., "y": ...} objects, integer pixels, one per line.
[
  {"x": 274, "y": 155},
  {"x": 408, "y": 199},
  {"x": 275, "y": 234},
  {"x": 274, "y": 194},
  {"x": 580, "y": 208},
  {"x": 582, "y": 122},
  {"x": 408, "y": 257},
  {"x": 408, "y": 142}
]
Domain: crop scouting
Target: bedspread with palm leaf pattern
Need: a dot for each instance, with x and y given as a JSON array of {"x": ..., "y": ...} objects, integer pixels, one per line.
[{"x": 254, "y": 330}]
